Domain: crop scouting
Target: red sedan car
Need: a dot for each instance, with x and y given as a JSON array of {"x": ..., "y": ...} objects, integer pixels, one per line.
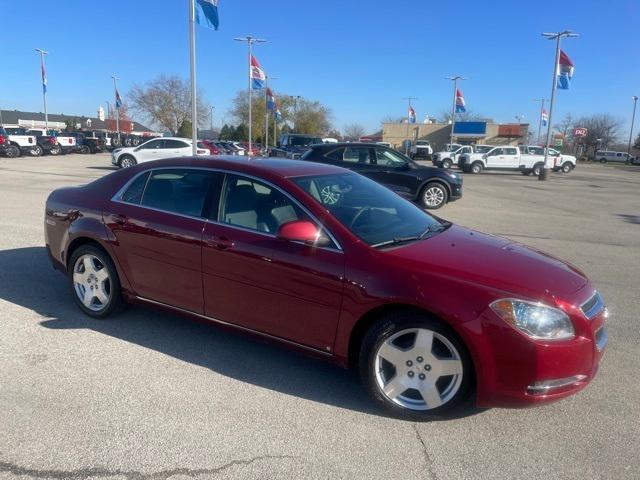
[{"x": 330, "y": 262}]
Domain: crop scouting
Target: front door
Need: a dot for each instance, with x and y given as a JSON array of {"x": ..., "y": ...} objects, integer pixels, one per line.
[
  {"x": 495, "y": 158},
  {"x": 392, "y": 170},
  {"x": 251, "y": 278},
  {"x": 158, "y": 223}
]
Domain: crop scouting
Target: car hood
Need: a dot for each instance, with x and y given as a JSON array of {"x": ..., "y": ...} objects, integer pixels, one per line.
[{"x": 492, "y": 261}]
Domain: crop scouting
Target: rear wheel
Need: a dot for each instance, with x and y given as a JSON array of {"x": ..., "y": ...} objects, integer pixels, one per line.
[
  {"x": 36, "y": 151},
  {"x": 433, "y": 196},
  {"x": 415, "y": 366},
  {"x": 94, "y": 281},
  {"x": 84, "y": 149},
  {"x": 55, "y": 150},
  {"x": 476, "y": 167}
]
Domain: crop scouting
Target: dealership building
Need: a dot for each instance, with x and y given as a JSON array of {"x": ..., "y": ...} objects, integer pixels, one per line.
[{"x": 438, "y": 134}]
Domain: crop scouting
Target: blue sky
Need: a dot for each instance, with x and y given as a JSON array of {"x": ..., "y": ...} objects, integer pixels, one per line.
[{"x": 358, "y": 58}]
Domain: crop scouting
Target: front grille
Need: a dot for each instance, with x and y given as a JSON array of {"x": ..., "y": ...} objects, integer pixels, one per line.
[{"x": 593, "y": 306}]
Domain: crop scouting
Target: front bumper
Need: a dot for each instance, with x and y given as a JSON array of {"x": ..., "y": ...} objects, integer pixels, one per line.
[{"x": 517, "y": 371}]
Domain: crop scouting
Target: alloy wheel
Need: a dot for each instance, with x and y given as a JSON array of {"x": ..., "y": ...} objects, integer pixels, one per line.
[
  {"x": 433, "y": 197},
  {"x": 329, "y": 197},
  {"x": 418, "y": 369},
  {"x": 127, "y": 162},
  {"x": 91, "y": 282}
]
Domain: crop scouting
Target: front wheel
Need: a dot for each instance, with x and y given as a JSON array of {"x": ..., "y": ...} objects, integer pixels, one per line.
[
  {"x": 446, "y": 163},
  {"x": 84, "y": 150},
  {"x": 433, "y": 196},
  {"x": 536, "y": 170},
  {"x": 55, "y": 150},
  {"x": 12, "y": 151},
  {"x": 415, "y": 366},
  {"x": 566, "y": 168},
  {"x": 603, "y": 160},
  {"x": 127, "y": 161},
  {"x": 94, "y": 281},
  {"x": 476, "y": 168}
]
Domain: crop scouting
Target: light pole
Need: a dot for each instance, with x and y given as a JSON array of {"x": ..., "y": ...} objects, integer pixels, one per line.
[
  {"x": 544, "y": 172},
  {"x": 211, "y": 118},
  {"x": 250, "y": 39},
  {"x": 541, "y": 100},
  {"x": 44, "y": 87},
  {"x": 116, "y": 95},
  {"x": 633, "y": 118},
  {"x": 454, "y": 79},
  {"x": 406, "y": 142}
]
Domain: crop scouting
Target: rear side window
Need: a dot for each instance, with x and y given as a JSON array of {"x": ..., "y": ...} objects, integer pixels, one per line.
[
  {"x": 133, "y": 194},
  {"x": 176, "y": 144},
  {"x": 182, "y": 191}
]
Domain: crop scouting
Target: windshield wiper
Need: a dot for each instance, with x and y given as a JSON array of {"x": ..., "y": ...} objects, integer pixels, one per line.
[{"x": 434, "y": 228}]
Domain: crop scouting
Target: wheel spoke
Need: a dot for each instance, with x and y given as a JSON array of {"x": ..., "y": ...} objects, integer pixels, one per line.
[
  {"x": 424, "y": 340},
  {"x": 89, "y": 266},
  {"x": 395, "y": 387},
  {"x": 448, "y": 367},
  {"x": 101, "y": 294},
  {"x": 430, "y": 394},
  {"x": 102, "y": 274},
  {"x": 88, "y": 297},
  {"x": 80, "y": 278},
  {"x": 392, "y": 354}
]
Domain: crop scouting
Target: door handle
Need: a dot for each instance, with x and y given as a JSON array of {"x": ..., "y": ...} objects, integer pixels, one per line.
[
  {"x": 223, "y": 243},
  {"x": 118, "y": 218}
]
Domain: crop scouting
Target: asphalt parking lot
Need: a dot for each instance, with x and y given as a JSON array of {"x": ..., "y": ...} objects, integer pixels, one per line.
[{"x": 149, "y": 395}]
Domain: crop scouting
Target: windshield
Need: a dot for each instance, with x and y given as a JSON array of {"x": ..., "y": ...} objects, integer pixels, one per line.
[
  {"x": 369, "y": 210},
  {"x": 303, "y": 141},
  {"x": 483, "y": 148}
]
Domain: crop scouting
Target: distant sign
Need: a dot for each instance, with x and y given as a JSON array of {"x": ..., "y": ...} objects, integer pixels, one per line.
[
  {"x": 558, "y": 142},
  {"x": 579, "y": 132}
]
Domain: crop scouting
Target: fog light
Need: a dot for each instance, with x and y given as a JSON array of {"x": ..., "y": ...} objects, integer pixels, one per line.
[{"x": 548, "y": 386}]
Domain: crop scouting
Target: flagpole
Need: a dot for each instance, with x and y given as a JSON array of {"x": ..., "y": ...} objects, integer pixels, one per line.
[
  {"x": 406, "y": 143},
  {"x": 541, "y": 100},
  {"x": 115, "y": 94},
  {"x": 266, "y": 112},
  {"x": 44, "y": 89},
  {"x": 455, "y": 79},
  {"x": 192, "y": 59},
  {"x": 544, "y": 172}
]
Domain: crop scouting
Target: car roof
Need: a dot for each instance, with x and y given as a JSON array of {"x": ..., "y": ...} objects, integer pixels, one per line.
[
  {"x": 346, "y": 144},
  {"x": 259, "y": 166}
]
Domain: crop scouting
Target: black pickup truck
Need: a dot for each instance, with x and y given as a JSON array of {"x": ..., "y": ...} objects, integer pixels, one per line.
[
  {"x": 86, "y": 142},
  {"x": 294, "y": 145}
]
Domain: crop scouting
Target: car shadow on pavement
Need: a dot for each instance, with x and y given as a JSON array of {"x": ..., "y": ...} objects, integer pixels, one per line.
[{"x": 40, "y": 288}]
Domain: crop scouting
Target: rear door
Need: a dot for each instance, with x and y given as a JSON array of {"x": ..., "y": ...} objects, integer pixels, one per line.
[
  {"x": 158, "y": 222},
  {"x": 150, "y": 150},
  {"x": 175, "y": 148},
  {"x": 510, "y": 159}
]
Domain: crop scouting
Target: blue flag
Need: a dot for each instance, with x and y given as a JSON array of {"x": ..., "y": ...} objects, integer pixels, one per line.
[{"x": 207, "y": 13}]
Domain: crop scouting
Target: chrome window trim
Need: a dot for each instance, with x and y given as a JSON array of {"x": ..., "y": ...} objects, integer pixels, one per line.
[{"x": 117, "y": 198}]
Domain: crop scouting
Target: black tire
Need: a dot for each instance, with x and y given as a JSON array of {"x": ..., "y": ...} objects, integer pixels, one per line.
[
  {"x": 55, "y": 150},
  {"x": 383, "y": 330},
  {"x": 115, "y": 297},
  {"x": 536, "y": 169},
  {"x": 446, "y": 163},
  {"x": 84, "y": 150},
  {"x": 126, "y": 161},
  {"x": 566, "y": 167},
  {"x": 433, "y": 196},
  {"x": 476, "y": 167},
  {"x": 115, "y": 142},
  {"x": 12, "y": 151},
  {"x": 135, "y": 141},
  {"x": 19, "y": 150},
  {"x": 36, "y": 151},
  {"x": 603, "y": 160}
]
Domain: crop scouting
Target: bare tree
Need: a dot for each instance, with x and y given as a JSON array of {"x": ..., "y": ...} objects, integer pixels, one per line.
[
  {"x": 565, "y": 125},
  {"x": 166, "y": 102},
  {"x": 353, "y": 131},
  {"x": 602, "y": 130}
]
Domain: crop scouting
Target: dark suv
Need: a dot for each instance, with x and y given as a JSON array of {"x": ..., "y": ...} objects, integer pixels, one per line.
[
  {"x": 6, "y": 148},
  {"x": 429, "y": 187}
]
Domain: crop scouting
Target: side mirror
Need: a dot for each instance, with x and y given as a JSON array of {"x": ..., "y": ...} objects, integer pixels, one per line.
[
  {"x": 302, "y": 231},
  {"x": 484, "y": 157}
]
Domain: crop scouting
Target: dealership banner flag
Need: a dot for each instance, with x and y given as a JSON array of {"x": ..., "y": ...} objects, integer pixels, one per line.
[
  {"x": 565, "y": 71},
  {"x": 207, "y": 13},
  {"x": 544, "y": 116},
  {"x": 257, "y": 75},
  {"x": 271, "y": 100},
  {"x": 412, "y": 115},
  {"x": 44, "y": 76},
  {"x": 460, "y": 105},
  {"x": 118, "y": 99}
]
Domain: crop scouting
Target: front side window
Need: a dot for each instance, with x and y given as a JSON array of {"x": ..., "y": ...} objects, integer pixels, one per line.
[
  {"x": 388, "y": 158},
  {"x": 371, "y": 211},
  {"x": 494, "y": 152},
  {"x": 482, "y": 148},
  {"x": 251, "y": 204},
  {"x": 181, "y": 191}
]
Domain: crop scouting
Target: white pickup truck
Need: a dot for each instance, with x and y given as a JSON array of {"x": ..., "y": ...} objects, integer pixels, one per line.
[
  {"x": 66, "y": 142},
  {"x": 20, "y": 138},
  {"x": 421, "y": 148},
  {"x": 503, "y": 158},
  {"x": 558, "y": 161},
  {"x": 448, "y": 158}
]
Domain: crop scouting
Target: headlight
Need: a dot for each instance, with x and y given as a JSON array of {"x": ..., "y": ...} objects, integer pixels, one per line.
[
  {"x": 451, "y": 175},
  {"x": 534, "y": 319}
]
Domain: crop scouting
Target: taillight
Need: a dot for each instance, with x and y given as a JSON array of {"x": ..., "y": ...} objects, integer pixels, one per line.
[
  {"x": 52, "y": 140},
  {"x": 2, "y": 140}
]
